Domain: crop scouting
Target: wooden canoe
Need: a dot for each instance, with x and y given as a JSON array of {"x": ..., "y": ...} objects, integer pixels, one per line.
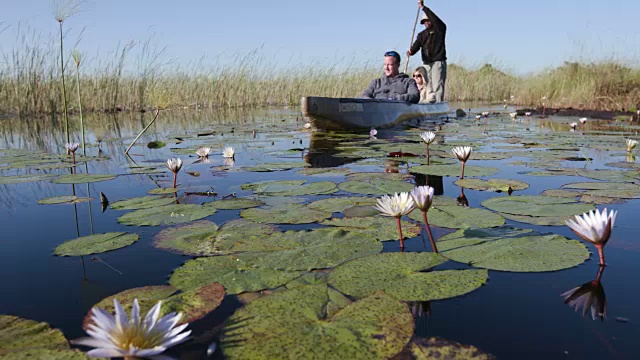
[{"x": 341, "y": 113}]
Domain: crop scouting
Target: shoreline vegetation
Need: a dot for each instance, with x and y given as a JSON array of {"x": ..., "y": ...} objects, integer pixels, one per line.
[{"x": 31, "y": 83}]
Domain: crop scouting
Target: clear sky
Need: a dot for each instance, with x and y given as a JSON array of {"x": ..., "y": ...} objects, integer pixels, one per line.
[{"x": 520, "y": 36}]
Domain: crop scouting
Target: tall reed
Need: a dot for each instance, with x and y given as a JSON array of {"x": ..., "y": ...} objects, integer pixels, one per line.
[{"x": 77, "y": 59}]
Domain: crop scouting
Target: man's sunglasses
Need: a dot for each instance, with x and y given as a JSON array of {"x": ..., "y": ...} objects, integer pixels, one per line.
[{"x": 391, "y": 53}]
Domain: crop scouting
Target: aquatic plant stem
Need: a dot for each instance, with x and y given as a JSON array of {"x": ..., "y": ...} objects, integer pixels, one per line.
[
  {"x": 462, "y": 175},
  {"x": 73, "y": 156},
  {"x": 600, "y": 248},
  {"x": 426, "y": 225},
  {"x": 84, "y": 150},
  {"x": 64, "y": 90},
  {"x": 427, "y": 154},
  {"x": 400, "y": 231},
  {"x": 155, "y": 116}
]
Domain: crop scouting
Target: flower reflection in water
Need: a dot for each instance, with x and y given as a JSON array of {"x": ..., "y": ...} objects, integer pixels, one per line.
[
  {"x": 420, "y": 309},
  {"x": 588, "y": 297},
  {"x": 462, "y": 199}
]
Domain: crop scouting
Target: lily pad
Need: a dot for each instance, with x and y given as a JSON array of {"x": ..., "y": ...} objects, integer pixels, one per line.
[
  {"x": 289, "y": 214},
  {"x": 166, "y": 215},
  {"x": 46, "y": 354},
  {"x": 95, "y": 244},
  {"x": 293, "y": 188},
  {"x": 324, "y": 171},
  {"x": 376, "y": 327},
  {"x": 339, "y": 204},
  {"x": 439, "y": 348},
  {"x": 263, "y": 186},
  {"x": 607, "y": 189},
  {"x": 454, "y": 170},
  {"x": 375, "y": 186},
  {"x": 404, "y": 276},
  {"x": 610, "y": 175},
  {"x": 82, "y": 178},
  {"x": 234, "y": 204},
  {"x": 365, "y": 176},
  {"x": 497, "y": 185},
  {"x": 237, "y": 273},
  {"x": 17, "y": 335},
  {"x": 360, "y": 211},
  {"x": 382, "y": 228},
  {"x": 201, "y": 238},
  {"x": 68, "y": 199},
  {"x": 537, "y": 220},
  {"x": 459, "y": 217},
  {"x": 162, "y": 191},
  {"x": 304, "y": 250},
  {"x": 268, "y": 167},
  {"x": 537, "y": 206},
  {"x": 143, "y": 202},
  {"x": 511, "y": 249},
  {"x": 156, "y": 144},
  {"x": 18, "y": 179}
]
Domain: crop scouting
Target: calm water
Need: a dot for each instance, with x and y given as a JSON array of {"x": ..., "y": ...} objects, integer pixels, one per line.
[{"x": 513, "y": 316}]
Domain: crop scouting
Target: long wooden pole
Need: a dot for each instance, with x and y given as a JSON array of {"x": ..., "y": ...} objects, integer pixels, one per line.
[{"x": 413, "y": 33}]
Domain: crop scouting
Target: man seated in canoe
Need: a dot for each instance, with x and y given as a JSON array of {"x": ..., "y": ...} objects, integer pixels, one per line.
[{"x": 393, "y": 85}]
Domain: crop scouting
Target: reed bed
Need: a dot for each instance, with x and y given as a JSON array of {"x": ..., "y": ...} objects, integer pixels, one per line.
[{"x": 30, "y": 83}]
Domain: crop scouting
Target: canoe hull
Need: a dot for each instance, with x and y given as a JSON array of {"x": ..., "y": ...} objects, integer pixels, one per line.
[{"x": 340, "y": 113}]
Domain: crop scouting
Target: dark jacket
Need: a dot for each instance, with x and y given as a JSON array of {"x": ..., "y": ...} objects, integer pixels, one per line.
[
  {"x": 431, "y": 40},
  {"x": 400, "y": 87}
]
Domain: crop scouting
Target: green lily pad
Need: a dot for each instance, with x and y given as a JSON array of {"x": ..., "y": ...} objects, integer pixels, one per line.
[
  {"x": 360, "y": 211},
  {"x": 237, "y": 273},
  {"x": 234, "y": 204},
  {"x": 365, "y": 176},
  {"x": 166, "y": 215},
  {"x": 376, "y": 327},
  {"x": 268, "y": 167},
  {"x": 289, "y": 214},
  {"x": 156, "y": 144},
  {"x": 610, "y": 175},
  {"x": 82, "y": 178},
  {"x": 324, "y": 171},
  {"x": 193, "y": 304},
  {"x": 143, "y": 202},
  {"x": 404, "y": 276},
  {"x": 68, "y": 199},
  {"x": 561, "y": 193},
  {"x": 459, "y": 217},
  {"x": 339, "y": 204},
  {"x": 510, "y": 249},
  {"x": 304, "y": 250},
  {"x": 607, "y": 189},
  {"x": 537, "y": 220},
  {"x": 315, "y": 188},
  {"x": 17, "y": 334},
  {"x": 18, "y": 179},
  {"x": 454, "y": 170},
  {"x": 263, "y": 186},
  {"x": 439, "y": 348},
  {"x": 46, "y": 354},
  {"x": 536, "y": 206},
  {"x": 162, "y": 191},
  {"x": 375, "y": 186},
  {"x": 202, "y": 238},
  {"x": 382, "y": 228},
  {"x": 95, "y": 244},
  {"x": 497, "y": 185}
]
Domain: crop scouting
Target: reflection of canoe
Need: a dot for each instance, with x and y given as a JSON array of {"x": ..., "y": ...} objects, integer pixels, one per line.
[{"x": 335, "y": 113}]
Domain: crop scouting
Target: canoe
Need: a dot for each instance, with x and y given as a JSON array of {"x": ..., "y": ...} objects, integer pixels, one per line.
[{"x": 341, "y": 113}]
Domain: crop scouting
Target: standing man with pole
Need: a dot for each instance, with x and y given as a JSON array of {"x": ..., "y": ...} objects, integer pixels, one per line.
[{"x": 434, "y": 54}]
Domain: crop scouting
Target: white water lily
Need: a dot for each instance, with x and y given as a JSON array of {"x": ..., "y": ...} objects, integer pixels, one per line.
[
  {"x": 513, "y": 114},
  {"x": 121, "y": 336},
  {"x": 174, "y": 164},
  {"x": 428, "y": 137},
  {"x": 72, "y": 146},
  {"x": 396, "y": 205},
  {"x": 573, "y": 125},
  {"x": 203, "y": 152},
  {"x": 528, "y": 113},
  {"x": 582, "y": 120},
  {"x": 462, "y": 152},
  {"x": 594, "y": 227},
  {"x": 307, "y": 126},
  {"x": 478, "y": 117},
  {"x": 373, "y": 133},
  {"x": 228, "y": 152},
  {"x": 485, "y": 113},
  {"x": 631, "y": 144},
  {"x": 423, "y": 197}
]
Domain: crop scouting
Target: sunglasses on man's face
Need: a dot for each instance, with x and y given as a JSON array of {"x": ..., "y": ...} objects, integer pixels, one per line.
[{"x": 391, "y": 53}]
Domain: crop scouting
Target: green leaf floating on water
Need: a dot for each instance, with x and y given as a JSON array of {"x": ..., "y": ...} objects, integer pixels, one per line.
[
  {"x": 143, "y": 202},
  {"x": 339, "y": 204},
  {"x": 365, "y": 176},
  {"x": 459, "y": 217},
  {"x": 162, "y": 191},
  {"x": 287, "y": 214},
  {"x": 537, "y": 206},
  {"x": 237, "y": 273},
  {"x": 292, "y": 188},
  {"x": 439, "y": 348},
  {"x": 193, "y": 304},
  {"x": 82, "y": 178},
  {"x": 404, "y": 276},
  {"x": 233, "y": 204},
  {"x": 510, "y": 249},
  {"x": 382, "y": 228},
  {"x": 95, "y": 244},
  {"x": 68, "y": 199},
  {"x": 607, "y": 189},
  {"x": 202, "y": 238},
  {"x": 611, "y": 175},
  {"x": 156, "y": 144},
  {"x": 454, "y": 170},
  {"x": 497, "y": 185},
  {"x": 46, "y": 354},
  {"x": 268, "y": 167},
  {"x": 18, "y": 179},
  {"x": 17, "y": 334},
  {"x": 375, "y": 186},
  {"x": 323, "y": 171},
  {"x": 166, "y": 215},
  {"x": 376, "y": 327}
]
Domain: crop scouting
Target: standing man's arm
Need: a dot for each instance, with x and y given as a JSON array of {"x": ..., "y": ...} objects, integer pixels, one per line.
[
  {"x": 436, "y": 22},
  {"x": 415, "y": 47}
]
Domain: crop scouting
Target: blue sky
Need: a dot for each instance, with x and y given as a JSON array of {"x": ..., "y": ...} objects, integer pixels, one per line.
[{"x": 515, "y": 35}]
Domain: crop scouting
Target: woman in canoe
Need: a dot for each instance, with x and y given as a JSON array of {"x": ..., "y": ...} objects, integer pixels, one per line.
[{"x": 422, "y": 81}]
